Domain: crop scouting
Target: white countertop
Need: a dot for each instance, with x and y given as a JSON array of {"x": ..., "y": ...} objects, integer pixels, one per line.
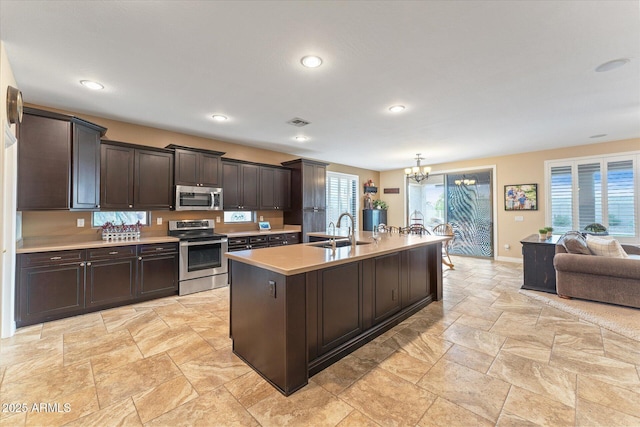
[{"x": 296, "y": 259}]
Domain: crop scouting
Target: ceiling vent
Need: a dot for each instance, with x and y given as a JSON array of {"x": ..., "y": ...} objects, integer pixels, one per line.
[{"x": 298, "y": 122}]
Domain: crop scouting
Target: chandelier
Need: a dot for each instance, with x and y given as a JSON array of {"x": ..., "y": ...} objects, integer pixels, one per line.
[
  {"x": 418, "y": 173},
  {"x": 465, "y": 181}
]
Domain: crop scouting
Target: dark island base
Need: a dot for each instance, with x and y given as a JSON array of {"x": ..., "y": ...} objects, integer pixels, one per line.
[{"x": 288, "y": 328}]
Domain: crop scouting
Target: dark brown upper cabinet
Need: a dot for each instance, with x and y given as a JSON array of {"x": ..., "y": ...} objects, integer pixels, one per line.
[
  {"x": 308, "y": 196},
  {"x": 58, "y": 162},
  {"x": 135, "y": 177},
  {"x": 275, "y": 188},
  {"x": 240, "y": 185},
  {"x": 198, "y": 168}
]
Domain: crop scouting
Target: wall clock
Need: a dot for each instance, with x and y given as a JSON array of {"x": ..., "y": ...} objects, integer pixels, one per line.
[{"x": 14, "y": 105}]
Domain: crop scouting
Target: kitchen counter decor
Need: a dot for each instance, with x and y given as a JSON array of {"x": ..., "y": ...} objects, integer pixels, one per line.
[{"x": 111, "y": 231}]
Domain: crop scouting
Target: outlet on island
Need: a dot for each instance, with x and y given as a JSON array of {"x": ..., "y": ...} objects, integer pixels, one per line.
[{"x": 80, "y": 222}]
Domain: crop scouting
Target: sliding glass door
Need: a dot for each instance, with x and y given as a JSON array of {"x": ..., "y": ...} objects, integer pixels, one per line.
[{"x": 463, "y": 200}]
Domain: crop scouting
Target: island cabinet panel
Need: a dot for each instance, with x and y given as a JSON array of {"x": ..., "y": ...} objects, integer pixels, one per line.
[
  {"x": 416, "y": 278},
  {"x": 268, "y": 324},
  {"x": 386, "y": 291},
  {"x": 339, "y": 306}
]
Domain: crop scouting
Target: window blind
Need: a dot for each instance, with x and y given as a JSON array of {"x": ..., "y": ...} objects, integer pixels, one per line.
[
  {"x": 342, "y": 196},
  {"x": 621, "y": 198},
  {"x": 589, "y": 194},
  {"x": 561, "y": 198}
]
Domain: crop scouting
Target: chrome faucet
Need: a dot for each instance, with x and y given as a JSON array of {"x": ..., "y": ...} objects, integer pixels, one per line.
[
  {"x": 352, "y": 229},
  {"x": 333, "y": 239}
]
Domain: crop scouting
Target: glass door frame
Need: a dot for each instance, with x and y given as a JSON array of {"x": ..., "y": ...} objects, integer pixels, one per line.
[{"x": 495, "y": 197}]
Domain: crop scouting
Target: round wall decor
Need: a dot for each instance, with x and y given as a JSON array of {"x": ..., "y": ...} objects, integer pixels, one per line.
[{"x": 14, "y": 105}]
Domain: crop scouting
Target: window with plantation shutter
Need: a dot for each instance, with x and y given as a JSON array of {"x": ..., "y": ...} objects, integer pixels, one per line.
[
  {"x": 621, "y": 198},
  {"x": 342, "y": 196},
  {"x": 561, "y": 199},
  {"x": 589, "y": 190},
  {"x": 589, "y": 194}
]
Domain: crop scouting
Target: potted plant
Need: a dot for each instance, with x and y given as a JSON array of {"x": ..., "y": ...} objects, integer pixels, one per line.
[
  {"x": 542, "y": 233},
  {"x": 549, "y": 232},
  {"x": 380, "y": 204}
]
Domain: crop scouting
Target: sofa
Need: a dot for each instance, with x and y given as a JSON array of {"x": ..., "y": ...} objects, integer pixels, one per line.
[{"x": 599, "y": 278}]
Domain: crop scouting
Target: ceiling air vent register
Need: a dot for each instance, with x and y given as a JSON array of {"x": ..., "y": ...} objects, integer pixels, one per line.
[{"x": 298, "y": 122}]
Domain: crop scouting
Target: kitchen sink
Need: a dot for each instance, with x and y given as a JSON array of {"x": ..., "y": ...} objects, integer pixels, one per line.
[{"x": 339, "y": 243}]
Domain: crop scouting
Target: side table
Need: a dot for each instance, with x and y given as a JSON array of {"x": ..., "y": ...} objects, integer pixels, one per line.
[{"x": 539, "y": 273}]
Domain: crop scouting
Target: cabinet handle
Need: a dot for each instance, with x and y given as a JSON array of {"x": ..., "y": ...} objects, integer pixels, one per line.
[
  {"x": 139, "y": 258},
  {"x": 55, "y": 258},
  {"x": 88, "y": 264},
  {"x": 97, "y": 206},
  {"x": 130, "y": 206},
  {"x": 159, "y": 249},
  {"x": 113, "y": 252},
  {"x": 82, "y": 264}
]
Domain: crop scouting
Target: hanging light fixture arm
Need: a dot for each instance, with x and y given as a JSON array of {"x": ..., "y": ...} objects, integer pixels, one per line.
[{"x": 418, "y": 173}]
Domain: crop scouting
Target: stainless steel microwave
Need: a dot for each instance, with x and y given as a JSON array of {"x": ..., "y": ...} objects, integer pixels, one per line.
[{"x": 190, "y": 198}]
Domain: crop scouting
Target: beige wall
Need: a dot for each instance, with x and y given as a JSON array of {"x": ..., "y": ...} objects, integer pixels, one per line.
[
  {"x": 7, "y": 204},
  {"x": 526, "y": 168},
  {"x": 63, "y": 223}
]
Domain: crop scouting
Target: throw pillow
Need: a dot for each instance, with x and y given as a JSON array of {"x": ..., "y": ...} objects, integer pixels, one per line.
[
  {"x": 575, "y": 243},
  {"x": 605, "y": 247}
]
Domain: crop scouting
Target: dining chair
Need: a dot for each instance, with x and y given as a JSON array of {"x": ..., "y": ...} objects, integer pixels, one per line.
[{"x": 445, "y": 230}]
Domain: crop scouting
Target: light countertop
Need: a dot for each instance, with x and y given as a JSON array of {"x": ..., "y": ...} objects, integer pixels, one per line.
[
  {"x": 296, "y": 259},
  {"x": 65, "y": 243},
  {"x": 286, "y": 229}
]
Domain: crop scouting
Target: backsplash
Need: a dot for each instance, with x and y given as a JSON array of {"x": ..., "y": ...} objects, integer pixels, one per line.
[{"x": 64, "y": 223}]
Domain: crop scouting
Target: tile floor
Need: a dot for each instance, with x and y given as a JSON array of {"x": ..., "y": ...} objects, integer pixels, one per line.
[{"x": 485, "y": 355}]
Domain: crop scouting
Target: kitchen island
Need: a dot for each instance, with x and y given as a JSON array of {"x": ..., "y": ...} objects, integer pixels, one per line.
[{"x": 297, "y": 309}]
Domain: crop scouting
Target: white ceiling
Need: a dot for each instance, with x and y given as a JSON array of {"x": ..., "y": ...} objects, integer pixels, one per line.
[{"x": 478, "y": 78}]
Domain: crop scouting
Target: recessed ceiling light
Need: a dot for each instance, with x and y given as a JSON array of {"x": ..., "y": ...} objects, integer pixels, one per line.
[
  {"x": 600, "y": 135},
  {"x": 396, "y": 108},
  {"x": 611, "y": 65},
  {"x": 301, "y": 138},
  {"x": 311, "y": 61},
  {"x": 91, "y": 85},
  {"x": 219, "y": 118}
]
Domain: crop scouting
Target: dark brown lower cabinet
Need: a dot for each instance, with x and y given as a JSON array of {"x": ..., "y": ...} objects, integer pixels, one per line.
[
  {"x": 291, "y": 327},
  {"x": 50, "y": 292},
  {"x": 158, "y": 275},
  {"x": 110, "y": 282},
  {"x": 54, "y": 285}
]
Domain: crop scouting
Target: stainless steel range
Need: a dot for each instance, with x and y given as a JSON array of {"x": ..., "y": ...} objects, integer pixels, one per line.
[{"x": 203, "y": 265}]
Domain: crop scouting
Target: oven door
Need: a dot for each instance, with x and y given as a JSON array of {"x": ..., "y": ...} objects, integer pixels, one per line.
[
  {"x": 198, "y": 198},
  {"x": 202, "y": 258}
]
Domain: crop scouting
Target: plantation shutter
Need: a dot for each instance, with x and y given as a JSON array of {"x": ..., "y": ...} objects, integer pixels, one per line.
[
  {"x": 561, "y": 199},
  {"x": 621, "y": 198},
  {"x": 342, "y": 196},
  {"x": 589, "y": 194}
]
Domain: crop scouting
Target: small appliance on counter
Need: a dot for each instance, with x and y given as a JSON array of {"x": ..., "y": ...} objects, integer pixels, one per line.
[{"x": 203, "y": 265}]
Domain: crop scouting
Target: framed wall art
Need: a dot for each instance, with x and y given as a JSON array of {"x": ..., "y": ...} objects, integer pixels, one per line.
[{"x": 521, "y": 197}]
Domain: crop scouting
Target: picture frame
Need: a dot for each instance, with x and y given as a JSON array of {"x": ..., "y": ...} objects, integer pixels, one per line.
[
  {"x": 521, "y": 197},
  {"x": 264, "y": 226}
]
